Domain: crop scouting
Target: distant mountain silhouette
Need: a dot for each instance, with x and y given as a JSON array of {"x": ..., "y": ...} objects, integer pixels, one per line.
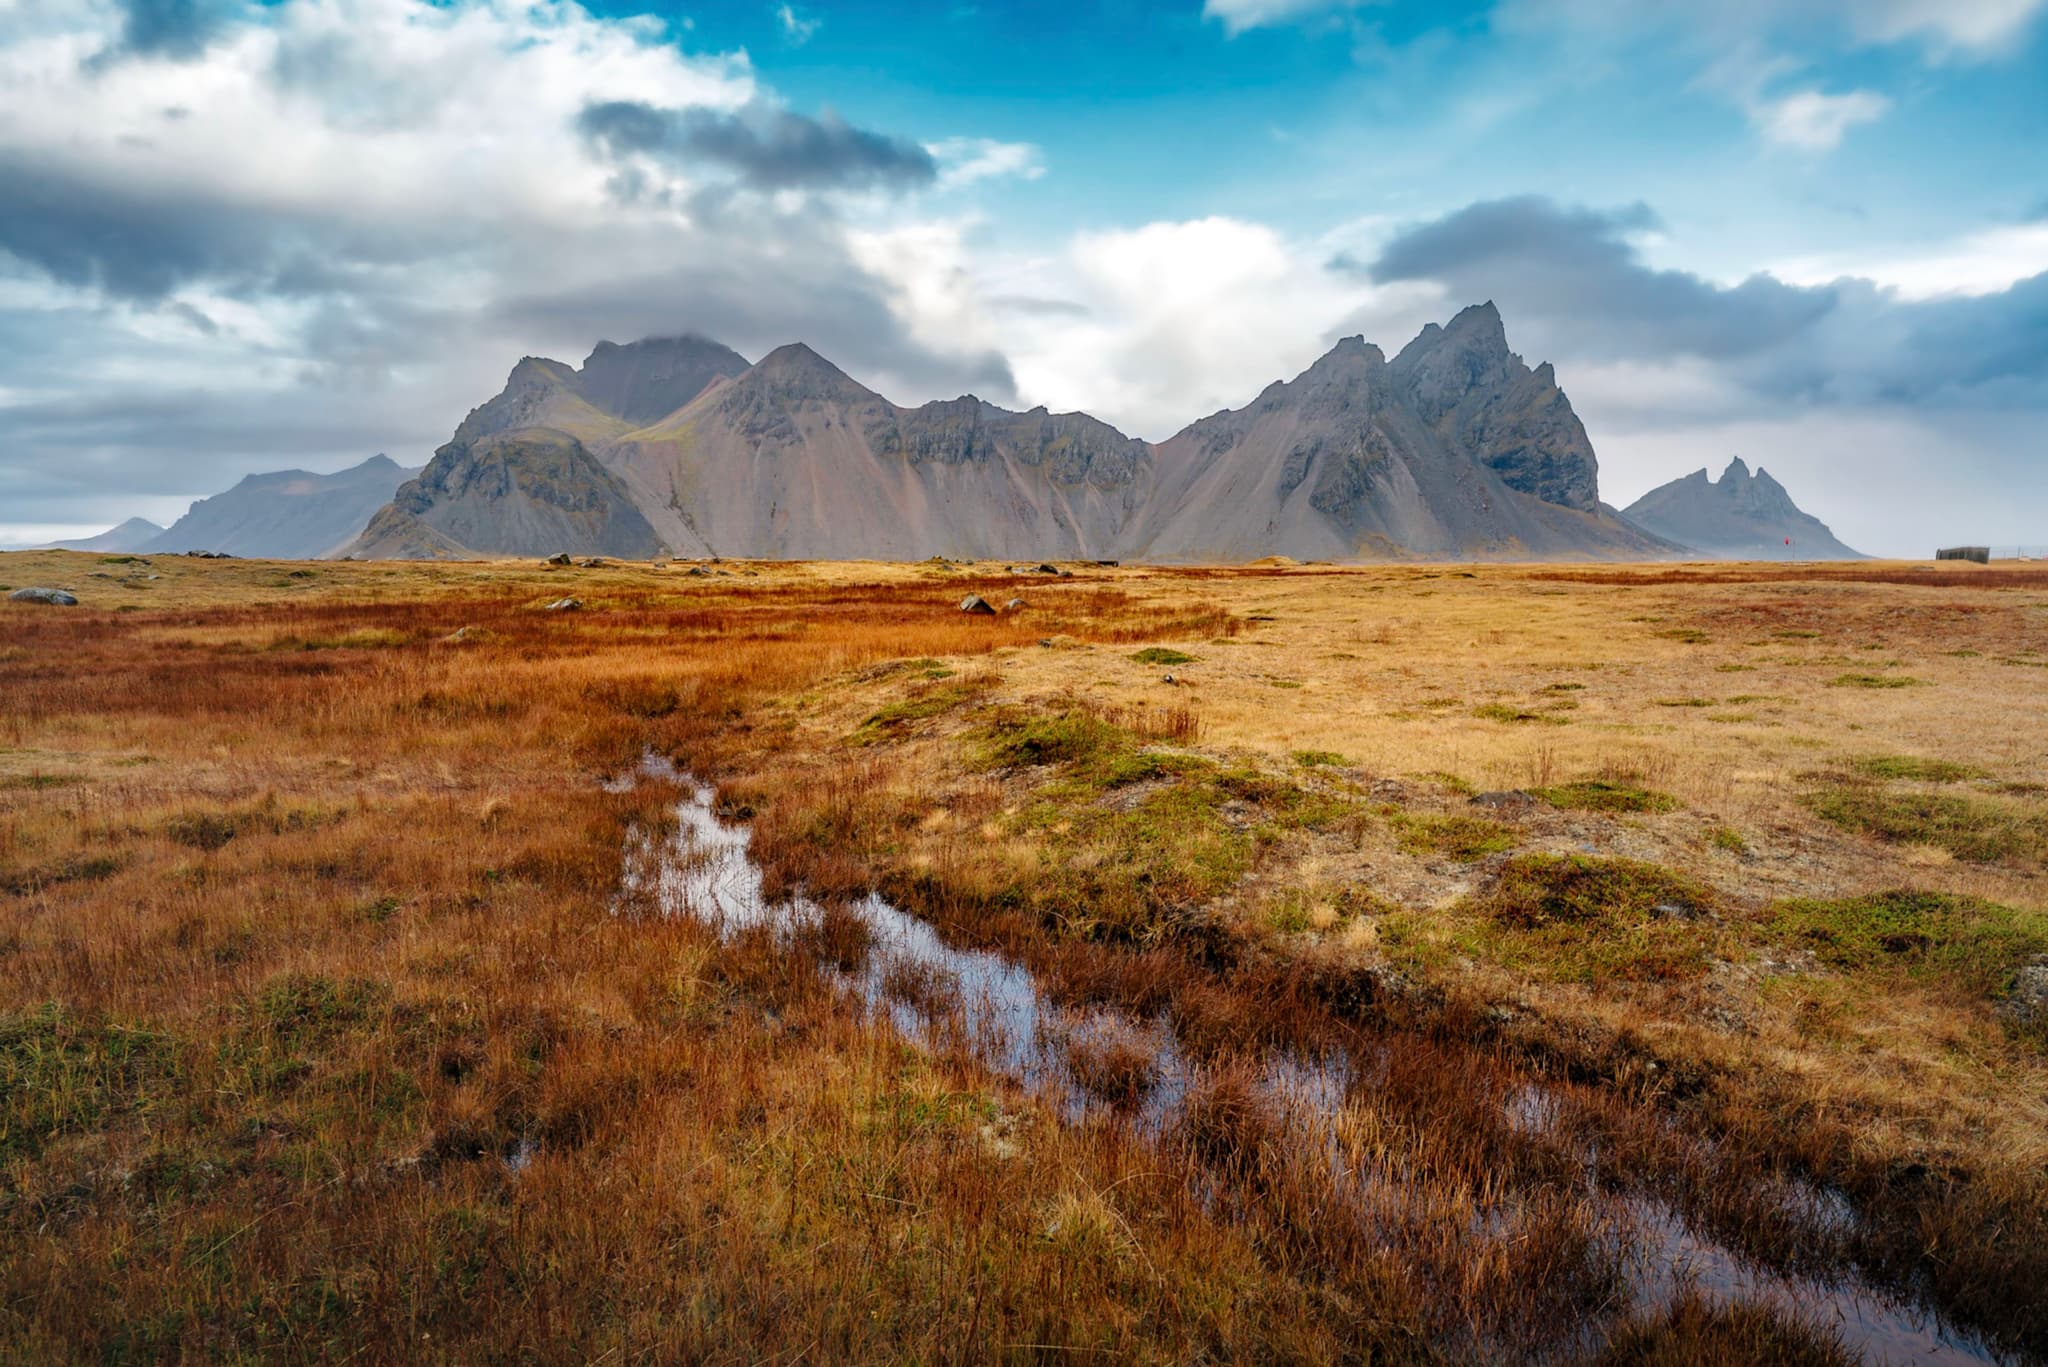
[
  {"x": 1743, "y": 516},
  {"x": 286, "y": 515},
  {"x": 131, "y": 535}
]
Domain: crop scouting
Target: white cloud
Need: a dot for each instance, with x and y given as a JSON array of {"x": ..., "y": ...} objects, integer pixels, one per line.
[
  {"x": 334, "y": 228},
  {"x": 1944, "y": 29},
  {"x": 1147, "y": 328},
  {"x": 1239, "y": 15},
  {"x": 1812, "y": 121},
  {"x": 1978, "y": 28},
  {"x": 1978, "y": 264},
  {"x": 798, "y": 28},
  {"x": 963, "y": 161}
]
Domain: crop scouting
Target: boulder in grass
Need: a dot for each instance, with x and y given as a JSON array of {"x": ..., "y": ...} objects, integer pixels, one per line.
[
  {"x": 56, "y": 598},
  {"x": 1015, "y": 605},
  {"x": 564, "y": 605},
  {"x": 560, "y": 558},
  {"x": 976, "y": 604}
]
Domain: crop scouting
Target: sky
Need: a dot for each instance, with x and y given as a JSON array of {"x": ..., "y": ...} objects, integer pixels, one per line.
[{"x": 247, "y": 235}]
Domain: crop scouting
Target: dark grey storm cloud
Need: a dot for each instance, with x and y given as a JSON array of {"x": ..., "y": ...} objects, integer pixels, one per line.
[
  {"x": 125, "y": 240},
  {"x": 1573, "y": 262},
  {"x": 1994, "y": 341},
  {"x": 767, "y": 148},
  {"x": 1572, "y": 284}
]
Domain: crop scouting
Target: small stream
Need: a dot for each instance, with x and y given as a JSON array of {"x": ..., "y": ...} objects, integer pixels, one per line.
[{"x": 939, "y": 996}]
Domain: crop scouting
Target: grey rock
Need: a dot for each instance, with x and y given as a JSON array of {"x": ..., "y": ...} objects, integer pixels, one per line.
[
  {"x": 2027, "y": 1003},
  {"x": 565, "y": 605},
  {"x": 1505, "y": 800},
  {"x": 976, "y": 604},
  {"x": 56, "y": 598},
  {"x": 1015, "y": 605},
  {"x": 559, "y": 558},
  {"x": 1678, "y": 911},
  {"x": 592, "y": 563}
]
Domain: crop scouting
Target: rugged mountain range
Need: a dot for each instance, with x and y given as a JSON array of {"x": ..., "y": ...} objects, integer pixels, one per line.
[
  {"x": 287, "y": 514},
  {"x": 1453, "y": 448},
  {"x": 131, "y": 535},
  {"x": 1742, "y": 516}
]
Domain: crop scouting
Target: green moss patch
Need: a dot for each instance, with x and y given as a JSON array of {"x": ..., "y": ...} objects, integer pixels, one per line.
[
  {"x": 1979, "y": 830},
  {"x": 1452, "y": 836},
  {"x": 1977, "y": 945},
  {"x": 1605, "y": 795},
  {"x": 1537, "y": 890},
  {"x": 1913, "y": 769}
]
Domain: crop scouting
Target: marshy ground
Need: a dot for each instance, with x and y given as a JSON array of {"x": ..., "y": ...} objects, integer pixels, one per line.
[{"x": 1507, "y": 963}]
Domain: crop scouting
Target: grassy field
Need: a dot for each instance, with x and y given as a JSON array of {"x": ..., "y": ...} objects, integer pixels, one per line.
[{"x": 331, "y": 1025}]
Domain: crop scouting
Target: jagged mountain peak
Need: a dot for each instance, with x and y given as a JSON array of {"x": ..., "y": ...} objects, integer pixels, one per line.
[
  {"x": 1454, "y": 448},
  {"x": 1743, "y": 515},
  {"x": 794, "y": 371},
  {"x": 644, "y": 381}
]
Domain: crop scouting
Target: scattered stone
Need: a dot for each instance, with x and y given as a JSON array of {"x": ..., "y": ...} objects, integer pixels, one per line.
[
  {"x": 209, "y": 555},
  {"x": 1014, "y": 605},
  {"x": 592, "y": 563},
  {"x": 1678, "y": 911},
  {"x": 698, "y": 571},
  {"x": 1505, "y": 800},
  {"x": 1169, "y": 679},
  {"x": 976, "y": 604},
  {"x": 559, "y": 558},
  {"x": 464, "y": 634},
  {"x": 2027, "y": 1003},
  {"x": 56, "y": 598},
  {"x": 565, "y": 605},
  {"x": 1109, "y": 564}
]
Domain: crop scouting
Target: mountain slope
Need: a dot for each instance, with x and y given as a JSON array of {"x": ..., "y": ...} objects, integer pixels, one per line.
[
  {"x": 131, "y": 535},
  {"x": 1454, "y": 448},
  {"x": 794, "y": 458},
  {"x": 1742, "y": 516},
  {"x": 533, "y": 491},
  {"x": 286, "y": 515},
  {"x": 519, "y": 476}
]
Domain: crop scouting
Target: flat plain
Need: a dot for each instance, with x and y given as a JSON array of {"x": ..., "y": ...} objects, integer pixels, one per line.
[{"x": 1665, "y": 947}]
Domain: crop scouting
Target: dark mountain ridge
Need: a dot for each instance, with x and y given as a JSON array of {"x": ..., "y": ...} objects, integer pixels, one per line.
[{"x": 1454, "y": 448}]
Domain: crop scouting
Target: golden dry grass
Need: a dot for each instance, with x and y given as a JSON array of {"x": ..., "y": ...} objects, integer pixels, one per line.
[{"x": 308, "y": 926}]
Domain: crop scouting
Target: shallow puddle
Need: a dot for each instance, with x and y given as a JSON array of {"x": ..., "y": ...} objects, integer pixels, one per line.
[{"x": 1102, "y": 1063}]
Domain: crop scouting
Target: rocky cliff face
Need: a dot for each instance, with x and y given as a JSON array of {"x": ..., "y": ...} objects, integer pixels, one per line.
[
  {"x": 1742, "y": 516},
  {"x": 1466, "y": 385},
  {"x": 1454, "y": 448},
  {"x": 533, "y": 491}
]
